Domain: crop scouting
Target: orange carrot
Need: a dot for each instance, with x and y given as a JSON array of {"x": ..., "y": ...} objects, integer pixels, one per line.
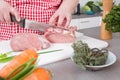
[
  {"x": 18, "y": 60},
  {"x": 39, "y": 74}
]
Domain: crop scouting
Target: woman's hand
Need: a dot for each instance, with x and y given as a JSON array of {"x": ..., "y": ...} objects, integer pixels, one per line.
[
  {"x": 5, "y": 11},
  {"x": 62, "y": 17}
]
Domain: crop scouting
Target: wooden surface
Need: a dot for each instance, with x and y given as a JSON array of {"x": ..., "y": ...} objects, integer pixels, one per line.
[
  {"x": 107, "y": 6},
  {"x": 67, "y": 70}
]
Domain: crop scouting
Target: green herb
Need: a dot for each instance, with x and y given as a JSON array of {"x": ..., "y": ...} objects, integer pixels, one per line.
[
  {"x": 112, "y": 19},
  {"x": 4, "y": 57},
  {"x": 83, "y": 55}
]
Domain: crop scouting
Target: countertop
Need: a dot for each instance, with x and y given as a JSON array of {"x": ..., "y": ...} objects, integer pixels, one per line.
[
  {"x": 67, "y": 70},
  {"x": 86, "y": 16}
]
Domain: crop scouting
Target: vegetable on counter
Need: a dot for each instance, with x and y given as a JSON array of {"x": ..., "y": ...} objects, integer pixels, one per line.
[
  {"x": 2, "y": 78},
  {"x": 28, "y": 71},
  {"x": 83, "y": 55},
  {"x": 23, "y": 67},
  {"x": 22, "y": 71},
  {"x": 112, "y": 19},
  {"x": 22, "y": 58},
  {"x": 91, "y": 8},
  {"x": 5, "y": 57},
  {"x": 4, "y": 60},
  {"x": 39, "y": 74}
]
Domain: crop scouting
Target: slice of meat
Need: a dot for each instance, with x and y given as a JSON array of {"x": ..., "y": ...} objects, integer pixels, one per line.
[
  {"x": 57, "y": 35},
  {"x": 22, "y": 41}
]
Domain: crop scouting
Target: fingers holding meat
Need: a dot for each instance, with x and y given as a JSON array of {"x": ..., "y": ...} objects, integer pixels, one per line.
[
  {"x": 57, "y": 35},
  {"x": 60, "y": 38}
]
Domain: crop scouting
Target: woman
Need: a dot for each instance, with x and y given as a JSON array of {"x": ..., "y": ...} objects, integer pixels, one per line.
[{"x": 54, "y": 12}]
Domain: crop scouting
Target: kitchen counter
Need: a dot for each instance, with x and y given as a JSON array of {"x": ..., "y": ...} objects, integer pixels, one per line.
[
  {"x": 84, "y": 21},
  {"x": 85, "y": 15},
  {"x": 67, "y": 70}
]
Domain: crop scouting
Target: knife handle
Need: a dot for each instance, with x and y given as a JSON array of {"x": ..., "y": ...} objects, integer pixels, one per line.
[{"x": 21, "y": 22}]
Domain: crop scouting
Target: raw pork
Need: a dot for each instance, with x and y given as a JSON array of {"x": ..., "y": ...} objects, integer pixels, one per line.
[
  {"x": 58, "y": 35},
  {"x": 22, "y": 41}
]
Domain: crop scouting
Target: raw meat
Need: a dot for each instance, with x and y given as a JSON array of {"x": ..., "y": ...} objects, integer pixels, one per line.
[
  {"x": 57, "y": 35},
  {"x": 22, "y": 41}
]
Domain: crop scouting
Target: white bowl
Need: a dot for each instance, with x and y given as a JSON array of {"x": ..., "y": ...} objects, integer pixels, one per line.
[{"x": 110, "y": 60}]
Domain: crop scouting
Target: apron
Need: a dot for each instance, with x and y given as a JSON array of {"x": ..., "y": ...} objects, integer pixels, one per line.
[{"x": 38, "y": 10}]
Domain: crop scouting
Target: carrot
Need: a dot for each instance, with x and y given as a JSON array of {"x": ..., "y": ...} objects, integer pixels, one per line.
[
  {"x": 22, "y": 70},
  {"x": 22, "y": 58},
  {"x": 39, "y": 74}
]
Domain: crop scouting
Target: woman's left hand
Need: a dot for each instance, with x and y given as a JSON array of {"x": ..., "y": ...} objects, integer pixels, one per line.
[{"x": 61, "y": 18}]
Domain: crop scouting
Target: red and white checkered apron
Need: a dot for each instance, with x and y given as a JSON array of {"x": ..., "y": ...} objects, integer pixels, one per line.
[{"x": 39, "y": 10}]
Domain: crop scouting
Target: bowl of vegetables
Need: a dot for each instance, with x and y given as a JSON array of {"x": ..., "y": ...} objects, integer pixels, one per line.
[
  {"x": 91, "y": 59},
  {"x": 91, "y": 8}
]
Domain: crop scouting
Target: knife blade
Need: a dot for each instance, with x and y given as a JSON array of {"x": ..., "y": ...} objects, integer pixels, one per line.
[{"x": 33, "y": 25}]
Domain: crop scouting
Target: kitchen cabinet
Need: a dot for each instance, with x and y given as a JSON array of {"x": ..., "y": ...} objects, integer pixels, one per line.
[{"x": 86, "y": 21}]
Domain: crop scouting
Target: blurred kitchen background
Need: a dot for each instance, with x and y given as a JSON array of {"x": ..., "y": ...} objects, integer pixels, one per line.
[{"x": 83, "y": 20}]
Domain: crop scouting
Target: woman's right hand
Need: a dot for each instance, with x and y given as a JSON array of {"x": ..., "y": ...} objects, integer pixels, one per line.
[{"x": 5, "y": 10}]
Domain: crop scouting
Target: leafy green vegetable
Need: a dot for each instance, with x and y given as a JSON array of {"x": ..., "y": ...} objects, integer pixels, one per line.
[
  {"x": 95, "y": 8},
  {"x": 83, "y": 55},
  {"x": 99, "y": 3},
  {"x": 112, "y": 19},
  {"x": 89, "y": 3},
  {"x": 91, "y": 6}
]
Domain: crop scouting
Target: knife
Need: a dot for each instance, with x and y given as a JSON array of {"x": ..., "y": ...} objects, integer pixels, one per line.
[{"x": 33, "y": 25}]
